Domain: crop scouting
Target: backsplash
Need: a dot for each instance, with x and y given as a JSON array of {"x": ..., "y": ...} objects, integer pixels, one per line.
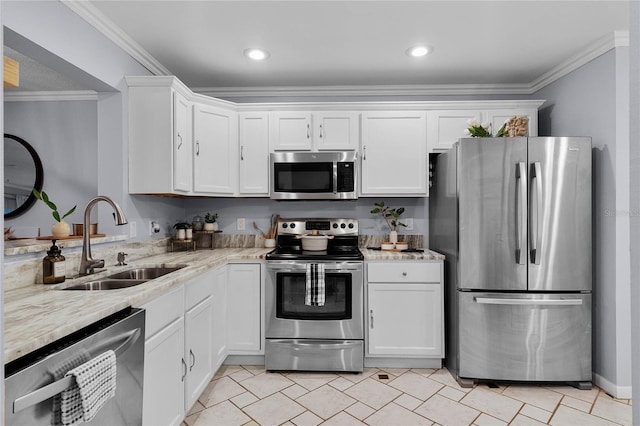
[{"x": 29, "y": 272}]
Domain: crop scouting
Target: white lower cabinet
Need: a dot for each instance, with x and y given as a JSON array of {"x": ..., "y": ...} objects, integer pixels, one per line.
[
  {"x": 244, "y": 297},
  {"x": 178, "y": 345},
  {"x": 405, "y": 309},
  {"x": 219, "y": 343}
]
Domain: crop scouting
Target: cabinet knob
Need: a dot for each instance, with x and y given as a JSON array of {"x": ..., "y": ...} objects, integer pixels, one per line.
[
  {"x": 371, "y": 318},
  {"x": 404, "y": 274}
]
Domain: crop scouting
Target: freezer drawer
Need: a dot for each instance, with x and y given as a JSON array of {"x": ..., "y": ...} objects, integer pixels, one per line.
[{"x": 525, "y": 337}]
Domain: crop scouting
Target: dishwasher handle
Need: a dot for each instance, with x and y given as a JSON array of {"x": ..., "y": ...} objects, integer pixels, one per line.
[{"x": 58, "y": 386}]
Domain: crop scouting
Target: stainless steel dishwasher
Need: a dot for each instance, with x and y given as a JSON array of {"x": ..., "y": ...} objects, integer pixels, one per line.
[{"x": 33, "y": 381}]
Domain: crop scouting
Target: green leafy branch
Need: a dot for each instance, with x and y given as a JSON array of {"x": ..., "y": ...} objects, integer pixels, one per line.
[
  {"x": 390, "y": 215},
  {"x": 42, "y": 196}
]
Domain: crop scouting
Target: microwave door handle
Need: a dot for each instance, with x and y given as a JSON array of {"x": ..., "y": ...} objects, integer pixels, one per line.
[{"x": 335, "y": 177}]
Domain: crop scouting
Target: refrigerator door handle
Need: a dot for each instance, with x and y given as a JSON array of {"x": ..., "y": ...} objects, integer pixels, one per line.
[
  {"x": 521, "y": 209},
  {"x": 536, "y": 242},
  {"x": 530, "y": 302}
]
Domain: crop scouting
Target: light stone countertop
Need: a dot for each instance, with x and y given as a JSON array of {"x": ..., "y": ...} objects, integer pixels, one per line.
[{"x": 37, "y": 315}]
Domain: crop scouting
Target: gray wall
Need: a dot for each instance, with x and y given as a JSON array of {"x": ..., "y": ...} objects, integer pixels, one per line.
[
  {"x": 65, "y": 136},
  {"x": 634, "y": 160},
  {"x": 592, "y": 101}
]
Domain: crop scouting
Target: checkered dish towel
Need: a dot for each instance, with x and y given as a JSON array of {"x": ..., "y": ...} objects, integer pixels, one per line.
[
  {"x": 95, "y": 385},
  {"x": 314, "y": 294}
]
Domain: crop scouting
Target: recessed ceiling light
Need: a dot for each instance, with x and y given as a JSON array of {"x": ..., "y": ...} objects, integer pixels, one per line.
[
  {"x": 256, "y": 54},
  {"x": 419, "y": 51}
]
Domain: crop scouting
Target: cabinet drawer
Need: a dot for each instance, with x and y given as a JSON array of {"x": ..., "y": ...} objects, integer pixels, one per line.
[
  {"x": 163, "y": 311},
  {"x": 409, "y": 272},
  {"x": 197, "y": 290}
]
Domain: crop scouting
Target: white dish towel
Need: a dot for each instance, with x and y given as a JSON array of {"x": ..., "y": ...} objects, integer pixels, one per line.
[
  {"x": 315, "y": 288},
  {"x": 95, "y": 385}
]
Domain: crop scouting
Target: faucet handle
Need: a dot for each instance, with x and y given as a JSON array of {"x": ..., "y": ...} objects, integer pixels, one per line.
[{"x": 121, "y": 258}]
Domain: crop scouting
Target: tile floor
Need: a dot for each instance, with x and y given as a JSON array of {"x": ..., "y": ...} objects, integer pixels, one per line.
[{"x": 247, "y": 395}]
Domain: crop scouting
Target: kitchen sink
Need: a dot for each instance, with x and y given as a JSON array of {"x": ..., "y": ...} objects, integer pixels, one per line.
[
  {"x": 129, "y": 278},
  {"x": 106, "y": 284},
  {"x": 145, "y": 273}
]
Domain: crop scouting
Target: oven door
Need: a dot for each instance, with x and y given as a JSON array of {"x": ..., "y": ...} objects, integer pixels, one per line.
[{"x": 287, "y": 316}]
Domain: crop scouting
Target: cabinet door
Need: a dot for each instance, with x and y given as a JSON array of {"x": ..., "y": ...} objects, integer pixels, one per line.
[
  {"x": 164, "y": 374},
  {"x": 215, "y": 145},
  {"x": 182, "y": 144},
  {"x": 198, "y": 325},
  {"x": 219, "y": 329},
  {"x": 497, "y": 117},
  {"x": 405, "y": 319},
  {"x": 394, "y": 153},
  {"x": 243, "y": 320},
  {"x": 337, "y": 130},
  {"x": 445, "y": 127},
  {"x": 290, "y": 131},
  {"x": 254, "y": 154}
]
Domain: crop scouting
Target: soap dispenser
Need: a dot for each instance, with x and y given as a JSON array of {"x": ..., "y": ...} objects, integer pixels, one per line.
[{"x": 53, "y": 266}]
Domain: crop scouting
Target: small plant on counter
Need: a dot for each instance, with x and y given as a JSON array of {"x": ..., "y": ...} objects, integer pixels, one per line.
[
  {"x": 211, "y": 218},
  {"x": 42, "y": 196},
  {"x": 391, "y": 216}
]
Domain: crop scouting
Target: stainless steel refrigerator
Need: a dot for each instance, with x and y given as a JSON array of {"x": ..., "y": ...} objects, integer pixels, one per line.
[{"x": 513, "y": 217}]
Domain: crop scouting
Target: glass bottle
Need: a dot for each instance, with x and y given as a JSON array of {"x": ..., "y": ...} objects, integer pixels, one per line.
[{"x": 54, "y": 266}]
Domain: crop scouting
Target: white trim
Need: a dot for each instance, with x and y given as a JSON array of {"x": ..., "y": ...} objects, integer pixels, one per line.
[
  {"x": 621, "y": 392},
  {"x": 104, "y": 25},
  {"x": 600, "y": 47},
  {"x": 69, "y": 95},
  {"x": 100, "y": 22}
]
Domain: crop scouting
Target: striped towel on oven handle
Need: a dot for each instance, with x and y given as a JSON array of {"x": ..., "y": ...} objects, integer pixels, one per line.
[{"x": 315, "y": 285}]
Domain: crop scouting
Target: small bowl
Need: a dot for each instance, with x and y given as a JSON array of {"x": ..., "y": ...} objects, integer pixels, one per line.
[
  {"x": 387, "y": 246},
  {"x": 402, "y": 245}
]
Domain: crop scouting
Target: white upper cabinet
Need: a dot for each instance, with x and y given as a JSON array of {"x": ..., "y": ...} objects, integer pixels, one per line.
[
  {"x": 254, "y": 154},
  {"x": 318, "y": 131},
  {"x": 290, "y": 131},
  {"x": 160, "y": 140},
  {"x": 394, "y": 153},
  {"x": 445, "y": 127},
  {"x": 215, "y": 145},
  {"x": 179, "y": 143},
  {"x": 336, "y": 130}
]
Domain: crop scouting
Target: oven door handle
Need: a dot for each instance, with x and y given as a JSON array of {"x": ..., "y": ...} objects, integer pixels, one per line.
[{"x": 300, "y": 266}]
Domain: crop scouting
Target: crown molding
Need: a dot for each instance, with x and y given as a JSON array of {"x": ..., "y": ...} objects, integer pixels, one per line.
[
  {"x": 598, "y": 48},
  {"x": 67, "y": 95},
  {"x": 104, "y": 25}
]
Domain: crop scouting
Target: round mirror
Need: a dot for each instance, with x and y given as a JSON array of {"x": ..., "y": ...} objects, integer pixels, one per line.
[{"x": 22, "y": 173}]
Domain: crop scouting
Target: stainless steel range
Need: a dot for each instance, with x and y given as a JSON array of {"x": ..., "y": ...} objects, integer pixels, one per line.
[{"x": 314, "y": 298}]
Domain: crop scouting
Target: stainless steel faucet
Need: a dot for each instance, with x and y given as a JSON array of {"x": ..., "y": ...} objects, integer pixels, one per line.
[{"x": 87, "y": 263}]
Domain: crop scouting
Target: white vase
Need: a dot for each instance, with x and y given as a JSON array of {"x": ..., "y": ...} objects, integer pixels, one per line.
[
  {"x": 393, "y": 237},
  {"x": 181, "y": 234},
  {"x": 208, "y": 226},
  {"x": 188, "y": 234},
  {"x": 61, "y": 229}
]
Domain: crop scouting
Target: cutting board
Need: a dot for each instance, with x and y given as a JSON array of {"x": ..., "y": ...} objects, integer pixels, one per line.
[{"x": 69, "y": 237}]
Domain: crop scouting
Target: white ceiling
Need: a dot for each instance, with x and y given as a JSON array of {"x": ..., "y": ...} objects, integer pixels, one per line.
[{"x": 502, "y": 46}]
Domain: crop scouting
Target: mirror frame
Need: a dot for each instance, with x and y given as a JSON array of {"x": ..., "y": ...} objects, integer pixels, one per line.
[{"x": 39, "y": 178}]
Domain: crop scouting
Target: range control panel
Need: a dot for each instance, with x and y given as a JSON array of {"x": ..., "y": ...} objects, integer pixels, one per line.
[{"x": 323, "y": 226}]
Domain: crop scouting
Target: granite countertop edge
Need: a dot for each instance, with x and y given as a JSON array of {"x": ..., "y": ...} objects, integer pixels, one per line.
[{"x": 37, "y": 315}]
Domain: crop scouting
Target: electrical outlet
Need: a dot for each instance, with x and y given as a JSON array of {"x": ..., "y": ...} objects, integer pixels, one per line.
[
  {"x": 132, "y": 230},
  {"x": 240, "y": 224},
  {"x": 409, "y": 223},
  {"x": 154, "y": 227}
]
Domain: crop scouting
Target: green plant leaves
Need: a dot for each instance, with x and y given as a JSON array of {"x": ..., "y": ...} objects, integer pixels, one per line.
[{"x": 42, "y": 196}]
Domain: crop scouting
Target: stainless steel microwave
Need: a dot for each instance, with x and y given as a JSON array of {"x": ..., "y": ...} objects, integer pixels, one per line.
[{"x": 329, "y": 175}]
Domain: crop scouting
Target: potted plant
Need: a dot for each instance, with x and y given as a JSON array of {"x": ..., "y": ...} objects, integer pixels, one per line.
[
  {"x": 210, "y": 223},
  {"x": 183, "y": 230},
  {"x": 60, "y": 228},
  {"x": 392, "y": 218}
]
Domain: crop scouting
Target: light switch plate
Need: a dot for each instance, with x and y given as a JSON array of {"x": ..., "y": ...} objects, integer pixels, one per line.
[{"x": 240, "y": 224}]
